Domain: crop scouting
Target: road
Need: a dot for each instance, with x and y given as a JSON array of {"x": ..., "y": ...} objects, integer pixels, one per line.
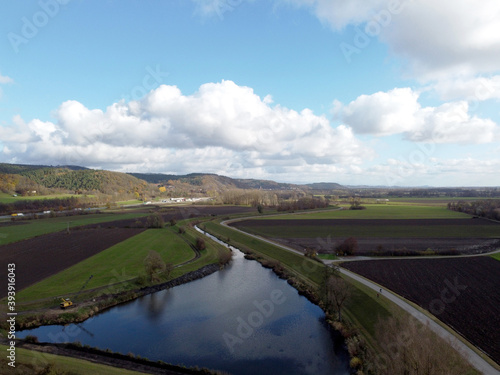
[{"x": 469, "y": 354}]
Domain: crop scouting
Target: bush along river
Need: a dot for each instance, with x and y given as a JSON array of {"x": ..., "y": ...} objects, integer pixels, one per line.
[{"x": 242, "y": 320}]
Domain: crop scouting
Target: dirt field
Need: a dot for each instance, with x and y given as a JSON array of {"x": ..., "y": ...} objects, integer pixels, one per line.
[
  {"x": 382, "y": 236},
  {"x": 376, "y": 246},
  {"x": 41, "y": 257},
  {"x": 462, "y": 292}
]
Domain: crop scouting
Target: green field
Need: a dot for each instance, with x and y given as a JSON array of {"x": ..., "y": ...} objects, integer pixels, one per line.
[
  {"x": 121, "y": 262},
  {"x": 379, "y": 211},
  {"x": 27, "y": 359},
  {"x": 33, "y": 228},
  {"x": 366, "y": 231},
  {"x": 496, "y": 256}
]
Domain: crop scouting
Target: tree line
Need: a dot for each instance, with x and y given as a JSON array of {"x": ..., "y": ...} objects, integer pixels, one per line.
[{"x": 487, "y": 208}]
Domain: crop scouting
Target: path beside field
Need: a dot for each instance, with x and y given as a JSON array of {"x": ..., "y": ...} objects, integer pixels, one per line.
[{"x": 469, "y": 354}]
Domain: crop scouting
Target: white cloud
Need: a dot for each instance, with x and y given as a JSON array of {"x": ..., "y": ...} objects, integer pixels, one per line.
[
  {"x": 437, "y": 38},
  {"x": 221, "y": 127},
  {"x": 5, "y": 79},
  {"x": 435, "y": 172},
  {"x": 399, "y": 112},
  {"x": 340, "y": 13},
  {"x": 470, "y": 89}
]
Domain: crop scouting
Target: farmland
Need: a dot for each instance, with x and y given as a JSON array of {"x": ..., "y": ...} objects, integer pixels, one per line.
[
  {"x": 43, "y": 256},
  {"x": 462, "y": 292},
  {"x": 380, "y": 230},
  {"x": 20, "y": 230}
]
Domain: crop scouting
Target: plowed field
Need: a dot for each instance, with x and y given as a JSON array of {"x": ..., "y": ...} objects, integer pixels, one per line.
[
  {"x": 462, "y": 292},
  {"x": 43, "y": 256}
]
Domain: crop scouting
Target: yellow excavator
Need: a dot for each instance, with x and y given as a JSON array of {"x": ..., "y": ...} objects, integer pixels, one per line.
[{"x": 67, "y": 302}]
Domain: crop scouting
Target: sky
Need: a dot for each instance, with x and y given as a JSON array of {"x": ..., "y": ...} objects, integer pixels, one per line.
[{"x": 380, "y": 92}]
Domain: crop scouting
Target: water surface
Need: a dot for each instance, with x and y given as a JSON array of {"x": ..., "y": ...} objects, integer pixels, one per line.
[{"x": 243, "y": 320}]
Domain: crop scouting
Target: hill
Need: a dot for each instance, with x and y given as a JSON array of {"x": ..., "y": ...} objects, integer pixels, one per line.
[
  {"x": 210, "y": 181},
  {"x": 26, "y": 179}
]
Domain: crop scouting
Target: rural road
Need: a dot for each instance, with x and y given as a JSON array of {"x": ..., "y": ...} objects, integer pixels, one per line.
[{"x": 469, "y": 354}]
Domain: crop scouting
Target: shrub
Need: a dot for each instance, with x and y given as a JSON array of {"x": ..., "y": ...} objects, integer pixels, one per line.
[
  {"x": 348, "y": 247},
  {"x": 200, "y": 244},
  {"x": 155, "y": 221},
  {"x": 32, "y": 339},
  {"x": 355, "y": 362}
]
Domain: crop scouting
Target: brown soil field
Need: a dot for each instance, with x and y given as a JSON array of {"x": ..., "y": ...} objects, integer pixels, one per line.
[
  {"x": 40, "y": 257},
  {"x": 442, "y": 236},
  {"x": 376, "y": 246},
  {"x": 363, "y": 222},
  {"x": 462, "y": 292}
]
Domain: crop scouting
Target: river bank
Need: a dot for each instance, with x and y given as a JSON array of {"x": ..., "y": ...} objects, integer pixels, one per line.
[{"x": 86, "y": 309}]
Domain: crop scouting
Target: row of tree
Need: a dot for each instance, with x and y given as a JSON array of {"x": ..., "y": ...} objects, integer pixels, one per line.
[
  {"x": 488, "y": 208},
  {"x": 303, "y": 204}
]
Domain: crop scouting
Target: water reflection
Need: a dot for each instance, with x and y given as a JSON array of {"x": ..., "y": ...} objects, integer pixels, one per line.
[{"x": 243, "y": 320}]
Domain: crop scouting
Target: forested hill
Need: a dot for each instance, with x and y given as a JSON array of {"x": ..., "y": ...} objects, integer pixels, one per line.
[
  {"x": 215, "y": 181},
  {"x": 24, "y": 178}
]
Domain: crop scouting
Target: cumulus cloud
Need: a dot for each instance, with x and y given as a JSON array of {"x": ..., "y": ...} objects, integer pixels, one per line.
[
  {"x": 221, "y": 127},
  {"x": 399, "y": 112},
  {"x": 437, "y": 38},
  {"x": 470, "y": 89}
]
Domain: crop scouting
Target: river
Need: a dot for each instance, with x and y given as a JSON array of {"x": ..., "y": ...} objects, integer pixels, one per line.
[{"x": 242, "y": 320}]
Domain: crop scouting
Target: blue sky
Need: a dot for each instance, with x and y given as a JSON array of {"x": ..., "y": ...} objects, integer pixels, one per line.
[{"x": 385, "y": 93}]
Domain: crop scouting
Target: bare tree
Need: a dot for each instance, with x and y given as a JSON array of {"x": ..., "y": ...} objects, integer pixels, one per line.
[
  {"x": 224, "y": 256},
  {"x": 154, "y": 264},
  {"x": 409, "y": 347},
  {"x": 337, "y": 292}
]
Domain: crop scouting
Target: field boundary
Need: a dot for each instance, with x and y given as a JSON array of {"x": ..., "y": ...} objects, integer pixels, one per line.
[
  {"x": 458, "y": 341},
  {"x": 468, "y": 351}
]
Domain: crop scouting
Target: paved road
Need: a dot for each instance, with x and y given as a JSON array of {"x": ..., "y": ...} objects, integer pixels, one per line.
[{"x": 470, "y": 355}]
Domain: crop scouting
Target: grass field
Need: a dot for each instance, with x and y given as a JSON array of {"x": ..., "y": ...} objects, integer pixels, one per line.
[
  {"x": 496, "y": 256},
  {"x": 380, "y": 211},
  {"x": 33, "y": 228},
  {"x": 412, "y": 230},
  {"x": 121, "y": 262},
  {"x": 26, "y": 359}
]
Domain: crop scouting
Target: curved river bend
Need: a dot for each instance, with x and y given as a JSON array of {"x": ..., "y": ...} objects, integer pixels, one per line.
[{"x": 243, "y": 320}]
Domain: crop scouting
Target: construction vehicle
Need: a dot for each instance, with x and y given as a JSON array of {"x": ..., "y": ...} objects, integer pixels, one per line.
[{"x": 67, "y": 302}]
